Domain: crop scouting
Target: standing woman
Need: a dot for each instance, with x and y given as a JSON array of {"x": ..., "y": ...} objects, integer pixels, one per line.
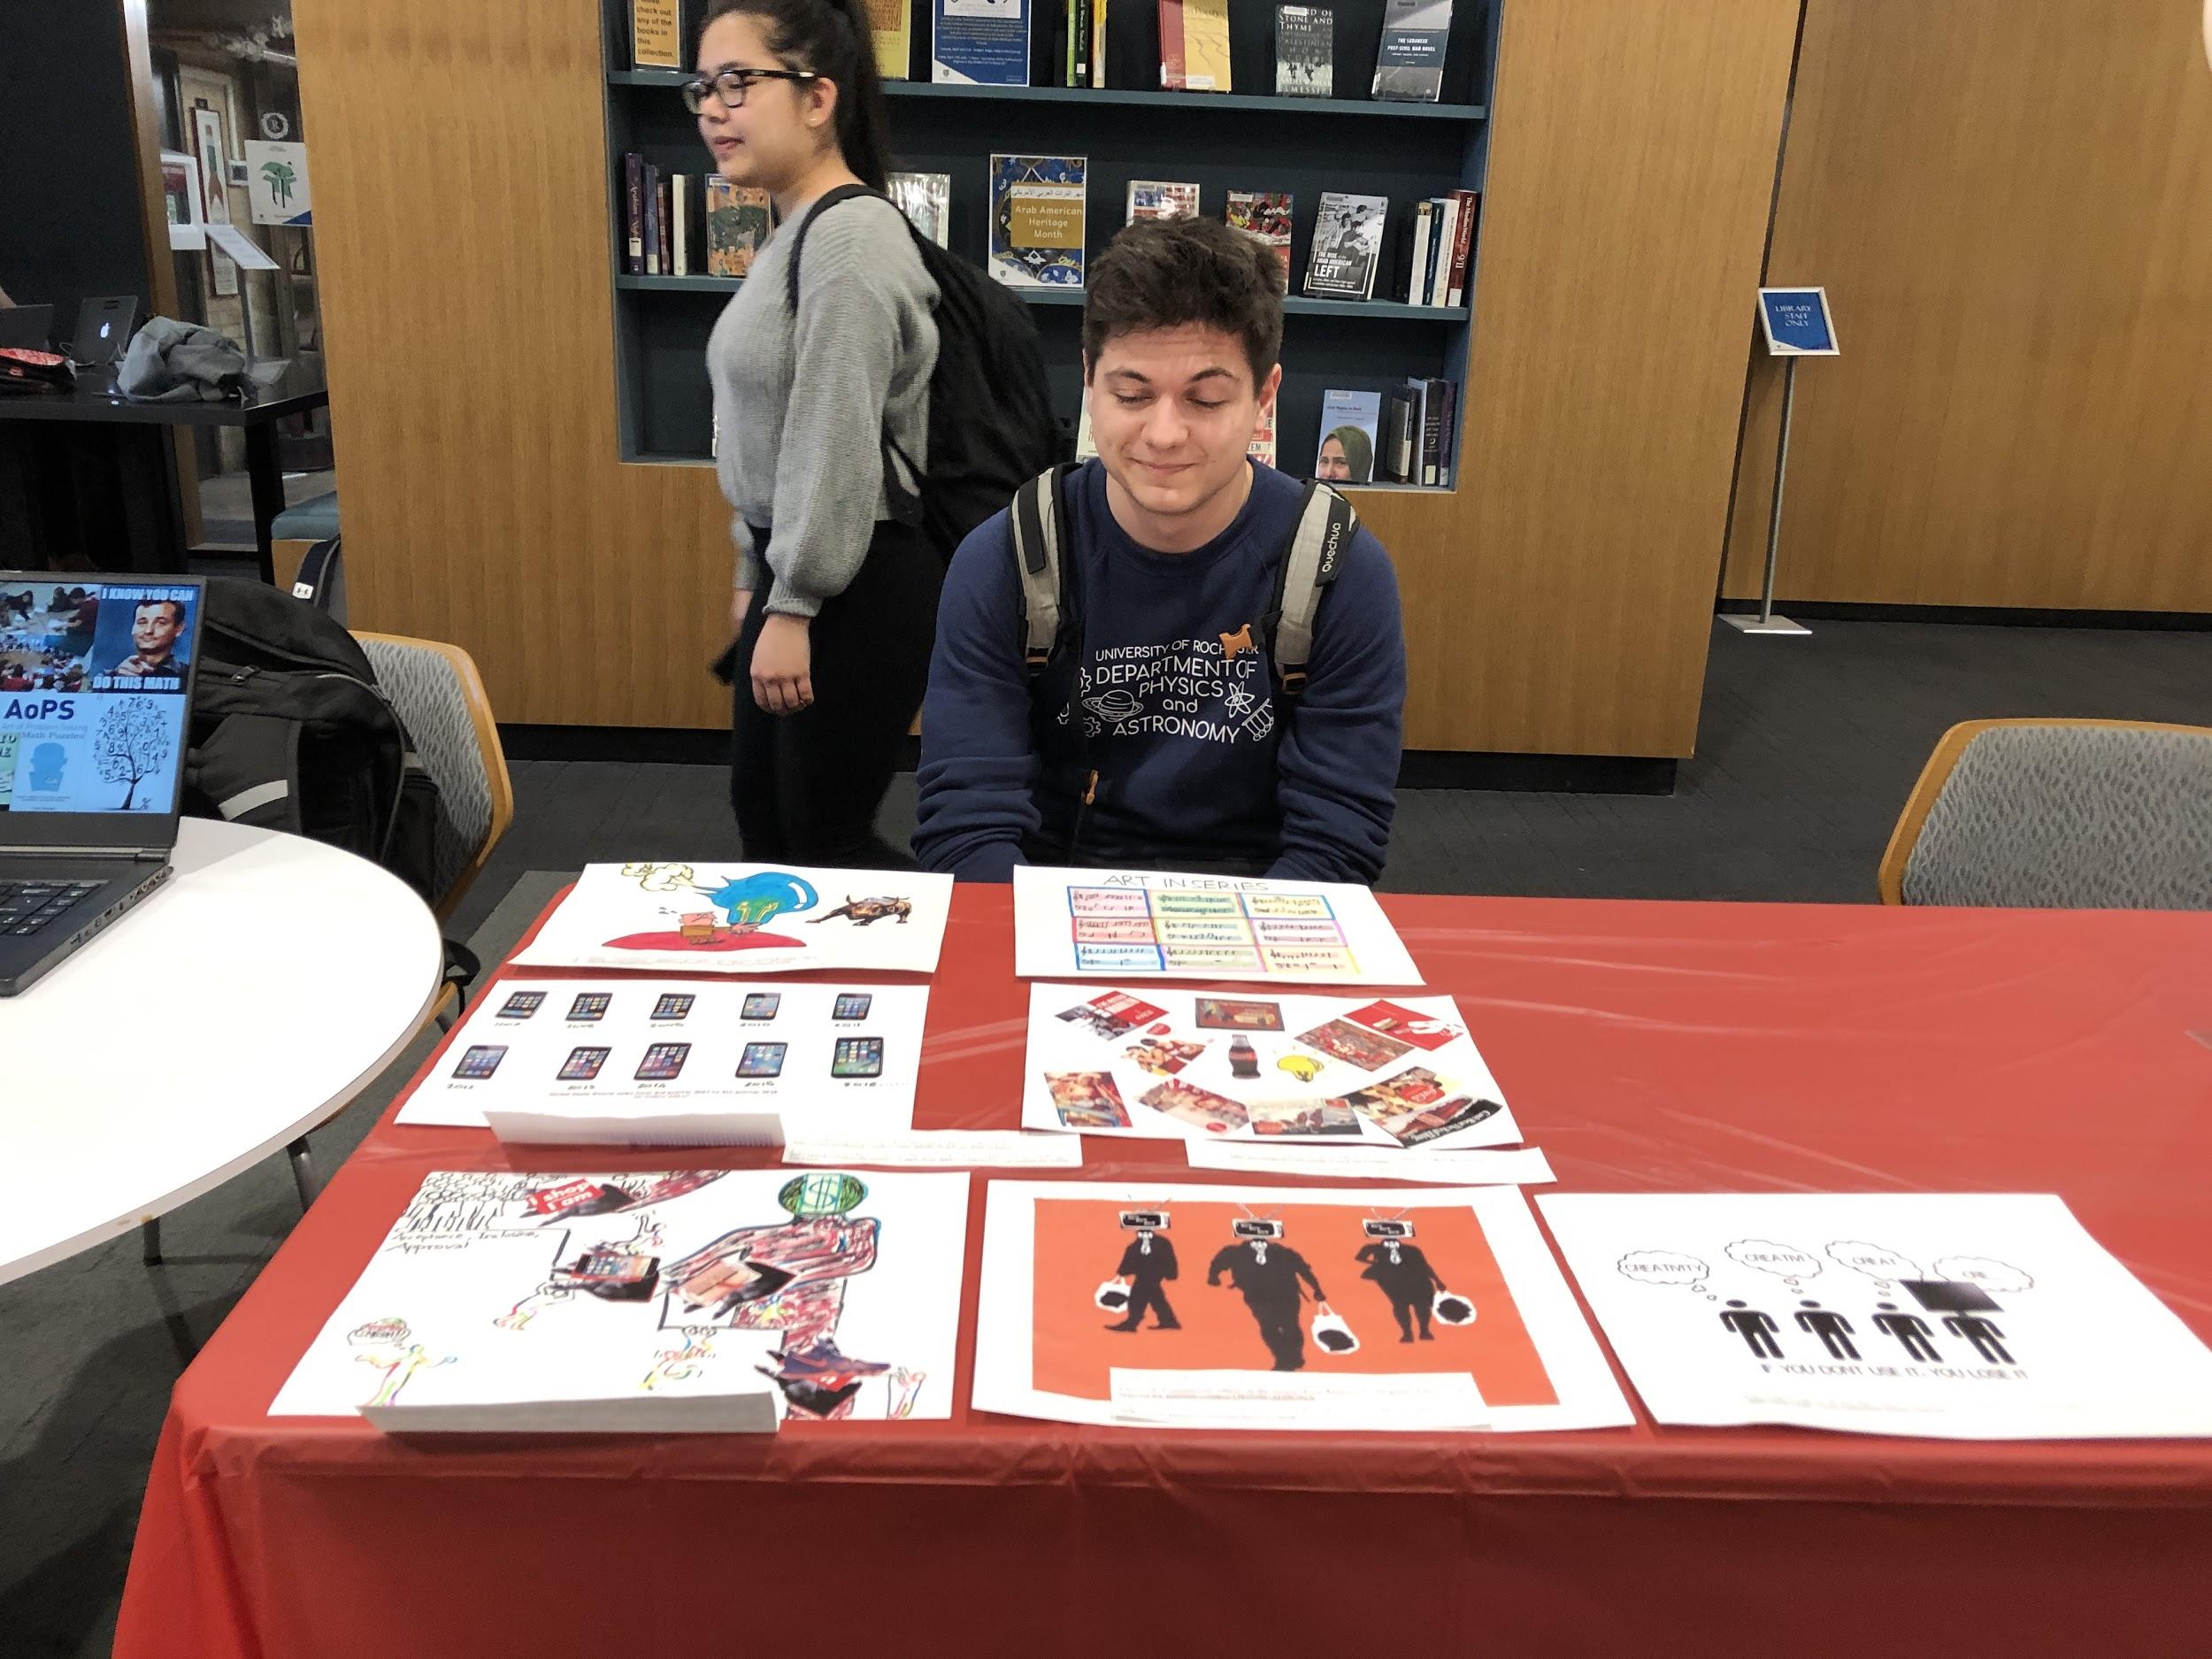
[{"x": 836, "y": 604}]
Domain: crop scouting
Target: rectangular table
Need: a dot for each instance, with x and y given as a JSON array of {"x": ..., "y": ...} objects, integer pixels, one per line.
[
  {"x": 298, "y": 389},
  {"x": 1646, "y": 1048}
]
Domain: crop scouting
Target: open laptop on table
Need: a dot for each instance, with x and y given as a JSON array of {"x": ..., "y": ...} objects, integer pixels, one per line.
[
  {"x": 95, "y": 685},
  {"x": 103, "y": 328}
]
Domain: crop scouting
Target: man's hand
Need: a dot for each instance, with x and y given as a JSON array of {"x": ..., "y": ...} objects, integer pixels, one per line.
[
  {"x": 782, "y": 683},
  {"x": 740, "y": 602}
]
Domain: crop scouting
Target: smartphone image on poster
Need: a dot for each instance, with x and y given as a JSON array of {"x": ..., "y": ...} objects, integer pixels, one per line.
[
  {"x": 761, "y": 1005},
  {"x": 762, "y": 1059},
  {"x": 481, "y": 1061},
  {"x": 590, "y": 1005},
  {"x": 852, "y": 1005},
  {"x": 673, "y": 1006},
  {"x": 663, "y": 1062},
  {"x": 582, "y": 1065},
  {"x": 522, "y": 1004},
  {"x": 858, "y": 1056}
]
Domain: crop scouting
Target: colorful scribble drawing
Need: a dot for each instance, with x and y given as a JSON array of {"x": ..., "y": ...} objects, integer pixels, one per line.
[
  {"x": 661, "y": 877},
  {"x": 384, "y": 1346},
  {"x": 863, "y": 911},
  {"x": 680, "y": 1365},
  {"x": 906, "y": 1389},
  {"x": 741, "y": 909},
  {"x": 790, "y": 1278}
]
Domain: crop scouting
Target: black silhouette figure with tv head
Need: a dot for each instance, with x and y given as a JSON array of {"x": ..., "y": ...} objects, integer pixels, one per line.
[
  {"x": 1269, "y": 1274},
  {"x": 1148, "y": 1264},
  {"x": 1962, "y": 1302},
  {"x": 1402, "y": 1272}
]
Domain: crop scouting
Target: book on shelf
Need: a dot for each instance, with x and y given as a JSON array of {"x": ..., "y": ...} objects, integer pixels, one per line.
[
  {"x": 1171, "y": 44},
  {"x": 979, "y": 42},
  {"x": 1463, "y": 244},
  {"x": 634, "y": 204},
  {"x": 679, "y": 224},
  {"x": 1451, "y": 433},
  {"x": 1261, "y": 448},
  {"x": 891, "y": 24},
  {"x": 1410, "y": 62},
  {"x": 1350, "y": 427},
  {"x": 1305, "y": 51},
  {"x": 1264, "y": 216},
  {"x": 1077, "y": 67},
  {"x": 1036, "y": 232},
  {"x": 1098, "y": 42},
  {"x": 657, "y": 35},
  {"x": 1397, "y": 464},
  {"x": 652, "y": 219},
  {"x": 1155, "y": 198},
  {"x": 1422, "y": 220},
  {"x": 1348, "y": 235},
  {"x": 1205, "y": 45},
  {"x": 737, "y": 224},
  {"x": 1428, "y": 412},
  {"x": 925, "y": 198},
  {"x": 667, "y": 204}
]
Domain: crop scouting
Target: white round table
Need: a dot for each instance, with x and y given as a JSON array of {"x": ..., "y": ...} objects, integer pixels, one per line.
[{"x": 246, "y": 1002}]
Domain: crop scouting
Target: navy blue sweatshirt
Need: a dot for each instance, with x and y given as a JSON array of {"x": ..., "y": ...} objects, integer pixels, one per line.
[{"x": 1198, "y": 761}]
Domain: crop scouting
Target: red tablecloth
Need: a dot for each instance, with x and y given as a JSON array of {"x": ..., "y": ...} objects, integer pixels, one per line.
[{"x": 1645, "y": 1047}]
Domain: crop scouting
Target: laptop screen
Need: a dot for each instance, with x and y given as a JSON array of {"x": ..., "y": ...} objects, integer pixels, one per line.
[{"x": 94, "y": 677}]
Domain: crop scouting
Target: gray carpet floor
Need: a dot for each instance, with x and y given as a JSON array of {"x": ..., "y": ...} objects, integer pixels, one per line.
[{"x": 1807, "y": 750}]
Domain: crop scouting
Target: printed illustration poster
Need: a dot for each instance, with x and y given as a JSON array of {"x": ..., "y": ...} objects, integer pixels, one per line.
[
  {"x": 1126, "y": 924},
  {"x": 745, "y": 918},
  {"x": 1171, "y": 1064},
  {"x": 822, "y": 1058},
  {"x": 1977, "y": 1316},
  {"x": 1083, "y": 1279},
  {"x": 496, "y": 1295}
]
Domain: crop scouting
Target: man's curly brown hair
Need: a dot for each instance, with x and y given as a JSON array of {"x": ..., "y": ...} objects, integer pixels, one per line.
[{"x": 1164, "y": 273}]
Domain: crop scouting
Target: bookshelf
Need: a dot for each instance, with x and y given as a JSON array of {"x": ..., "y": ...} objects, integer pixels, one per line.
[{"x": 1241, "y": 140}]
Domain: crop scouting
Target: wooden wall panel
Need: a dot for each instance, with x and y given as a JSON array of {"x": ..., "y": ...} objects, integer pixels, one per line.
[
  {"x": 461, "y": 224},
  {"x": 2011, "y": 207},
  {"x": 1565, "y": 604}
]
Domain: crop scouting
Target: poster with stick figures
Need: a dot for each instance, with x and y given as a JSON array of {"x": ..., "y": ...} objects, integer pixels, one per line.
[
  {"x": 1973, "y": 1316},
  {"x": 1087, "y": 1282},
  {"x": 715, "y": 918},
  {"x": 685, "y": 1299}
]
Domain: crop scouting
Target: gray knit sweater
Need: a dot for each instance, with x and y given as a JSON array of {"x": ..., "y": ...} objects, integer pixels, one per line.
[{"x": 801, "y": 402}]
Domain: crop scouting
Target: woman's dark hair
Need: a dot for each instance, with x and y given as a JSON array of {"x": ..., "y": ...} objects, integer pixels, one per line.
[
  {"x": 1163, "y": 272},
  {"x": 833, "y": 39},
  {"x": 1359, "y": 450}
]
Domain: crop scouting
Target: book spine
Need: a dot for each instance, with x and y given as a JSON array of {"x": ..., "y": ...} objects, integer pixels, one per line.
[
  {"x": 1171, "y": 44},
  {"x": 1433, "y": 433},
  {"x": 1399, "y": 431},
  {"x": 1431, "y": 285},
  {"x": 652, "y": 219},
  {"x": 1462, "y": 245},
  {"x": 668, "y": 249},
  {"x": 1424, "y": 241},
  {"x": 633, "y": 192},
  {"x": 679, "y": 214},
  {"x": 1098, "y": 43},
  {"x": 1450, "y": 451},
  {"x": 1081, "y": 75},
  {"x": 1447, "y": 232}
]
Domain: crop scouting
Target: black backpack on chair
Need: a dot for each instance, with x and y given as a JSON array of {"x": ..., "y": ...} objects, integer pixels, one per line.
[
  {"x": 290, "y": 731},
  {"x": 991, "y": 425}
]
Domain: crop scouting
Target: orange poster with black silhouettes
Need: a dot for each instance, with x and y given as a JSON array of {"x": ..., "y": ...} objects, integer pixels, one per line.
[{"x": 1083, "y": 1280}]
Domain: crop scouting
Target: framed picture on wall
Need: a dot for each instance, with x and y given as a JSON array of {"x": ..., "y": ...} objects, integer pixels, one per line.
[
  {"x": 180, "y": 194},
  {"x": 207, "y": 140}
]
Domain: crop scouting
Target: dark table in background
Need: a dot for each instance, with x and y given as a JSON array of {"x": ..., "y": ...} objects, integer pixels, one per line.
[
  {"x": 1646, "y": 1048},
  {"x": 281, "y": 388}
]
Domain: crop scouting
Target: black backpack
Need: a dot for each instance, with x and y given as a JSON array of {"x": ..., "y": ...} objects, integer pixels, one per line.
[
  {"x": 991, "y": 423},
  {"x": 290, "y": 731}
]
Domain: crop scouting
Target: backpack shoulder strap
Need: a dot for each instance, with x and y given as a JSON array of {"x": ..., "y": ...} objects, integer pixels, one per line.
[
  {"x": 1308, "y": 564},
  {"x": 1040, "y": 534},
  {"x": 842, "y": 193}
]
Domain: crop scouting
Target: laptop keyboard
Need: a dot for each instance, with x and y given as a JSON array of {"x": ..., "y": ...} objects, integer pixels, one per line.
[{"x": 29, "y": 907}]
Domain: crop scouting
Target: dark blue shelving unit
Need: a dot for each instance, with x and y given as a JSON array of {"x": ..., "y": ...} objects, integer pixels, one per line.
[{"x": 1220, "y": 140}]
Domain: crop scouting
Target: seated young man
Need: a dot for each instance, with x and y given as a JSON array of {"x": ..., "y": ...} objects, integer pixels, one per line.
[{"x": 1169, "y": 693}]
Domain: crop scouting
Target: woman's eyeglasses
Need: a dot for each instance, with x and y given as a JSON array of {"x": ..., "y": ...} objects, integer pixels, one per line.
[{"x": 731, "y": 86}]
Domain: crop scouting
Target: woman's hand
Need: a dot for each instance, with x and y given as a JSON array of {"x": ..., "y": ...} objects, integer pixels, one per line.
[{"x": 781, "y": 659}]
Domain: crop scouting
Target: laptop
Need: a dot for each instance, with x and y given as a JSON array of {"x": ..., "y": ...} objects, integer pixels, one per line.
[
  {"x": 103, "y": 328},
  {"x": 27, "y": 328},
  {"x": 95, "y": 685}
]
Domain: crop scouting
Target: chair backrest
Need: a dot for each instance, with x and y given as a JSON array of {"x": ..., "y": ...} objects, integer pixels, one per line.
[
  {"x": 2062, "y": 814},
  {"x": 440, "y": 699}
]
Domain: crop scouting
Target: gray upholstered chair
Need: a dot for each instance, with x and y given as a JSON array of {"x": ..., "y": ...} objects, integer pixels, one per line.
[
  {"x": 440, "y": 699},
  {"x": 2058, "y": 814}
]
